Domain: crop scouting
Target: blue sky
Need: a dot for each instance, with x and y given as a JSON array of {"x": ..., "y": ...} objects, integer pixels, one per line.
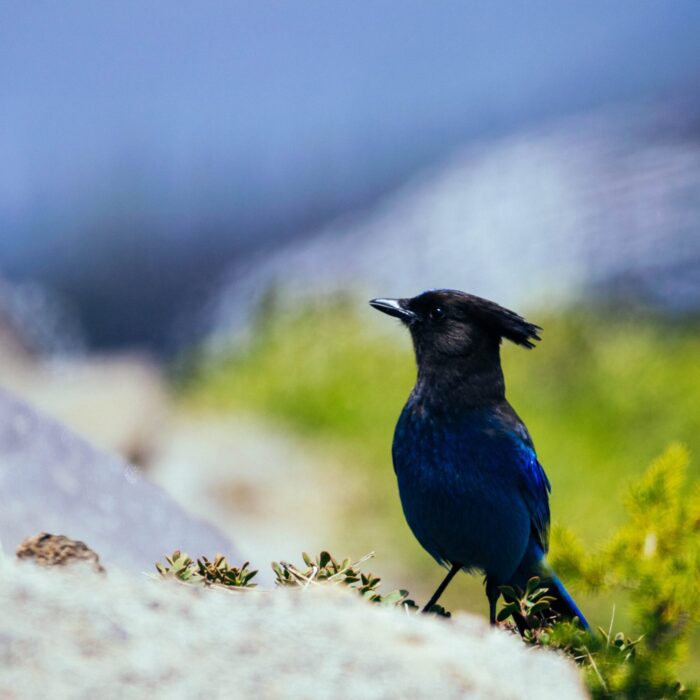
[{"x": 294, "y": 95}]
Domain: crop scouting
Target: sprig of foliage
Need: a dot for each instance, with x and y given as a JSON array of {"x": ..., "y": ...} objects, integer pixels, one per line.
[
  {"x": 178, "y": 566},
  {"x": 326, "y": 569},
  {"x": 217, "y": 572},
  {"x": 221, "y": 572}
]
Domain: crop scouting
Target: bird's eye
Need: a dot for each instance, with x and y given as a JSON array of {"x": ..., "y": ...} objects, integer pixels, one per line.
[{"x": 436, "y": 314}]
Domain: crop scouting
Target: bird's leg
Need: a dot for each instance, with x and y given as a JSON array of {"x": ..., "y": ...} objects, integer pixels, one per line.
[
  {"x": 492, "y": 594},
  {"x": 441, "y": 588}
]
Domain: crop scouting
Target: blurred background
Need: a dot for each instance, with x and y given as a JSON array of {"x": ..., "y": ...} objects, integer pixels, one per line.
[{"x": 196, "y": 203}]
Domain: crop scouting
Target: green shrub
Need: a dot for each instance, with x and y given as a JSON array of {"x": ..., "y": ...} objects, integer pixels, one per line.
[{"x": 654, "y": 557}]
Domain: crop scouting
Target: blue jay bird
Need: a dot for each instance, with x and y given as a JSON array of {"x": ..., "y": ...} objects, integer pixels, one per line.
[{"x": 472, "y": 489}]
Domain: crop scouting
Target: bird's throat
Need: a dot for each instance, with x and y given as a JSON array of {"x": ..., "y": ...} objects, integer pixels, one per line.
[{"x": 459, "y": 382}]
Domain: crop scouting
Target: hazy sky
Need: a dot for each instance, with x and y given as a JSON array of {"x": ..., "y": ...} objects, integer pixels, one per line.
[
  {"x": 126, "y": 126},
  {"x": 286, "y": 96}
]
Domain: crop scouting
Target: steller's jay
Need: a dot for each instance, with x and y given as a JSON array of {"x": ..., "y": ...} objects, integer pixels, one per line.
[{"x": 472, "y": 489}]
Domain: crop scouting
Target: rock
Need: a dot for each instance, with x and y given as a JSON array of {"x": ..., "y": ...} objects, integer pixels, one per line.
[
  {"x": 53, "y": 480},
  {"x": 119, "y": 402},
  {"x": 118, "y": 636},
  {"x": 46, "y": 549}
]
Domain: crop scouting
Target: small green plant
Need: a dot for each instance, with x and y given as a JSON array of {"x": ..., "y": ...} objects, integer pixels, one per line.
[
  {"x": 530, "y": 608},
  {"x": 217, "y": 572},
  {"x": 326, "y": 569},
  {"x": 178, "y": 566}
]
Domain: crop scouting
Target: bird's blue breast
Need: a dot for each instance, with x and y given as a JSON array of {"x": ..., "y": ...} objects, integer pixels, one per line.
[{"x": 471, "y": 488}]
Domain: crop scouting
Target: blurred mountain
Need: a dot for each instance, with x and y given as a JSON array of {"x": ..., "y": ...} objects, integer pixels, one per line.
[{"x": 605, "y": 204}]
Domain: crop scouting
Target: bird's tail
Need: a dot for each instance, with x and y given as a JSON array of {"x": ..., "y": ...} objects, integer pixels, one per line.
[
  {"x": 535, "y": 564},
  {"x": 563, "y": 603}
]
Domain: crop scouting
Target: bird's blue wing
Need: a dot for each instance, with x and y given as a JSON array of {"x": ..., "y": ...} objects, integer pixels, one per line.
[
  {"x": 532, "y": 481},
  {"x": 535, "y": 488}
]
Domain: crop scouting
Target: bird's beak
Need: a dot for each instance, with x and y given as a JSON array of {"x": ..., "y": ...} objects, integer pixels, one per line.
[{"x": 393, "y": 307}]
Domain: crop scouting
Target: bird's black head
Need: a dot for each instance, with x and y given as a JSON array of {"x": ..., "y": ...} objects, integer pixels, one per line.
[{"x": 454, "y": 329}]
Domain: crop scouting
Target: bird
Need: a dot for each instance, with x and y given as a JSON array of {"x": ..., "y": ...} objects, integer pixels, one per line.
[{"x": 472, "y": 489}]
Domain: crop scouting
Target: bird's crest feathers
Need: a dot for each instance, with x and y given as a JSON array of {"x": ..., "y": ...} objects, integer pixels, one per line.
[{"x": 504, "y": 322}]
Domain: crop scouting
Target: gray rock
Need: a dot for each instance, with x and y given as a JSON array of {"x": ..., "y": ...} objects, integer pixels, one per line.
[
  {"x": 72, "y": 390},
  {"x": 116, "y": 637},
  {"x": 54, "y": 481}
]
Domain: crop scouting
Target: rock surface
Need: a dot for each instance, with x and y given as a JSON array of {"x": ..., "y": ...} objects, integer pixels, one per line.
[
  {"x": 118, "y": 402},
  {"x": 54, "y": 481},
  {"x": 117, "y": 636}
]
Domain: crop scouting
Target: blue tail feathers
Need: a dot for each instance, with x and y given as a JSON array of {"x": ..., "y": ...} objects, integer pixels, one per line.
[
  {"x": 535, "y": 564},
  {"x": 563, "y": 603}
]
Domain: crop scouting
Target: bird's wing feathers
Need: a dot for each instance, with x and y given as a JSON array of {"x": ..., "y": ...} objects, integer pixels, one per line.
[
  {"x": 535, "y": 489},
  {"x": 533, "y": 482}
]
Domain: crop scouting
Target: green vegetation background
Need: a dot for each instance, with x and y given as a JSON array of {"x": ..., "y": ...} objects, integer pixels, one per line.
[{"x": 603, "y": 394}]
